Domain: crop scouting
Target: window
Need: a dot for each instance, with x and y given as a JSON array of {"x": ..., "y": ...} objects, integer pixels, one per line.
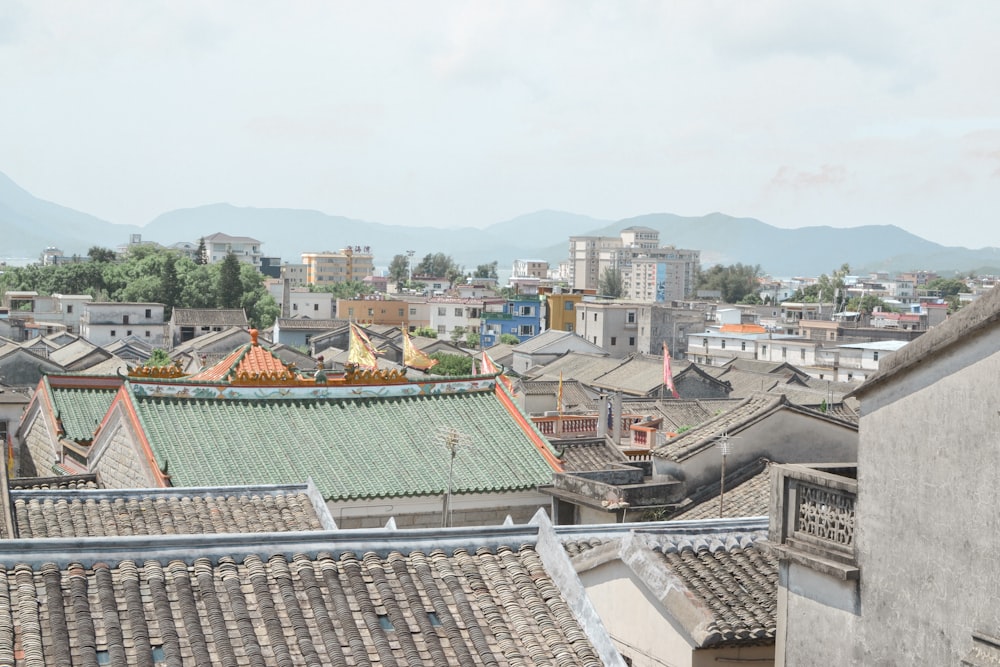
[
  {"x": 315, "y": 306},
  {"x": 440, "y": 328},
  {"x": 875, "y": 355},
  {"x": 802, "y": 354},
  {"x": 458, "y": 312},
  {"x": 763, "y": 350},
  {"x": 147, "y": 334},
  {"x": 582, "y": 315},
  {"x": 743, "y": 346},
  {"x": 723, "y": 345},
  {"x": 630, "y": 317},
  {"x": 149, "y": 313},
  {"x": 400, "y": 312},
  {"x": 595, "y": 317},
  {"x": 69, "y": 310},
  {"x": 124, "y": 319},
  {"x": 413, "y": 311},
  {"x": 568, "y": 305},
  {"x": 569, "y": 327},
  {"x": 631, "y": 340},
  {"x": 527, "y": 330},
  {"x": 295, "y": 306},
  {"x": 371, "y": 312},
  {"x": 112, "y": 333},
  {"x": 704, "y": 342},
  {"x": 614, "y": 340},
  {"x": 526, "y": 310},
  {"x": 784, "y": 353},
  {"x": 442, "y": 311},
  {"x": 128, "y": 333},
  {"x": 350, "y": 312}
]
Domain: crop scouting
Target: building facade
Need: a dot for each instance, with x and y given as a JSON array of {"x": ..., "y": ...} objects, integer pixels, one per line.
[
  {"x": 246, "y": 249},
  {"x": 104, "y": 323},
  {"x": 328, "y": 268}
]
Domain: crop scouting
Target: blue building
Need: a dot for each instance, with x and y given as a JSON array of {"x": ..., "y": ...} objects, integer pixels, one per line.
[{"x": 520, "y": 317}]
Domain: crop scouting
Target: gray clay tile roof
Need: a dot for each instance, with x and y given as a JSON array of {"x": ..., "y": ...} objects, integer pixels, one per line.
[
  {"x": 582, "y": 367},
  {"x": 86, "y": 481},
  {"x": 306, "y": 324},
  {"x": 486, "y": 606},
  {"x": 747, "y": 494},
  {"x": 589, "y": 455},
  {"x": 218, "y": 317},
  {"x": 734, "y": 579},
  {"x": 639, "y": 375},
  {"x": 575, "y": 397},
  {"x": 101, "y": 513},
  {"x": 727, "y": 578},
  {"x": 374, "y": 447}
]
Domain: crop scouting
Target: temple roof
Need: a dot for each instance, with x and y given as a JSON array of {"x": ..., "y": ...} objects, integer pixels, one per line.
[{"x": 248, "y": 362}]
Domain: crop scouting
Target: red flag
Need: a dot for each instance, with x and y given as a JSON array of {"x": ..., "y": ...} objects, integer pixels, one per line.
[{"x": 668, "y": 376}]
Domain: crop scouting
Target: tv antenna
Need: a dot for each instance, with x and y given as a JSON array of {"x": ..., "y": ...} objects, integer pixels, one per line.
[{"x": 453, "y": 440}]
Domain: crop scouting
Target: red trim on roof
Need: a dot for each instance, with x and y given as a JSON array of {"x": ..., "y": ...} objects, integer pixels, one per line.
[{"x": 540, "y": 442}]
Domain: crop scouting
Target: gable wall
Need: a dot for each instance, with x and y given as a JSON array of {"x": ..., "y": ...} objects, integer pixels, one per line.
[{"x": 117, "y": 455}]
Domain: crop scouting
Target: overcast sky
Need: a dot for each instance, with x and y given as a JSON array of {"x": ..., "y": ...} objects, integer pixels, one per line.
[{"x": 797, "y": 113}]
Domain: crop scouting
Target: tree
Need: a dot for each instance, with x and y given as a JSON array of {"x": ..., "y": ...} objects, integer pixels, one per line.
[
  {"x": 170, "y": 288},
  {"x": 348, "y": 289},
  {"x": 159, "y": 357},
  {"x": 229, "y": 288},
  {"x": 472, "y": 339},
  {"x": 734, "y": 282},
  {"x": 201, "y": 254},
  {"x": 486, "y": 271},
  {"x": 508, "y": 339},
  {"x": 99, "y": 254},
  {"x": 426, "y": 332},
  {"x": 456, "y": 334},
  {"x": 611, "y": 283},
  {"x": 439, "y": 265},
  {"x": 868, "y": 303},
  {"x": 399, "y": 270},
  {"x": 452, "y": 364}
]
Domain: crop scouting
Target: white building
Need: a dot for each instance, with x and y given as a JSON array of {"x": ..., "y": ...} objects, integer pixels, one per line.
[
  {"x": 246, "y": 249},
  {"x": 446, "y": 314},
  {"x": 106, "y": 322}
]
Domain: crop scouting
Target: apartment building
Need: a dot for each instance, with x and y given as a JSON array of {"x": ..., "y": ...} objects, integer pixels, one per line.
[
  {"x": 104, "y": 322},
  {"x": 246, "y": 249},
  {"x": 350, "y": 263}
]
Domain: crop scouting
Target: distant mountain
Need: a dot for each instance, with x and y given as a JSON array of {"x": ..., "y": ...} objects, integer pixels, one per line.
[{"x": 29, "y": 224}]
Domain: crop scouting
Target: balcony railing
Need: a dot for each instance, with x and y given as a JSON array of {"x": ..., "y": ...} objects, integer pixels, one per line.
[{"x": 814, "y": 522}]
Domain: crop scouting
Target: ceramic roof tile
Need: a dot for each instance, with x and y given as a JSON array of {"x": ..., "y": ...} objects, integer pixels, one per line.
[
  {"x": 353, "y": 448},
  {"x": 493, "y": 606},
  {"x": 248, "y": 361},
  {"x": 81, "y": 410},
  {"x": 705, "y": 435},
  {"x": 639, "y": 375},
  {"x": 748, "y": 494},
  {"x": 98, "y": 513},
  {"x": 591, "y": 455},
  {"x": 225, "y": 317}
]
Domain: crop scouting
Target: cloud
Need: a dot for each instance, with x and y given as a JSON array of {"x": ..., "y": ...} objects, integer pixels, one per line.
[{"x": 828, "y": 175}]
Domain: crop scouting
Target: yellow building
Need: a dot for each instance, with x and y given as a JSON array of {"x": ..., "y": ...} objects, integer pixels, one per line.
[
  {"x": 560, "y": 310},
  {"x": 325, "y": 268}
]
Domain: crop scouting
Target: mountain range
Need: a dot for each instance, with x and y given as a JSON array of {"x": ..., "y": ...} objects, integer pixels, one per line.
[{"x": 30, "y": 224}]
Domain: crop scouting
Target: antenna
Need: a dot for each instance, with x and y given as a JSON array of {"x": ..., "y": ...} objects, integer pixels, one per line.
[
  {"x": 725, "y": 446},
  {"x": 453, "y": 440}
]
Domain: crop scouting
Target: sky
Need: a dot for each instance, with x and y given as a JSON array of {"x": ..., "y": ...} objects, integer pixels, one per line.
[{"x": 452, "y": 114}]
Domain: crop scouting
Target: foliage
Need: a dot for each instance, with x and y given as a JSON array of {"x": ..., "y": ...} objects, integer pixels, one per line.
[
  {"x": 426, "y": 332},
  {"x": 201, "y": 254},
  {"x": 159, "y": 357},
  {"x": 452, "y": 364},
  {"x": 509, "y": 339},
  {"x": 752, "y": 299},
  {"x": 229, "y": 286},
  {"x": 508, "y": 292},
  {"x": 457, "y": 334},
  {"x": 472, "y": 339},
  {"x": 947, "y": 286},
  {"x": 99, "y": 254},
  {"x": 611, "y": 283},
  {"x": 486, "y": 271},
  {"x": 826, "y": 289},
  {"x": 735, "y": 282},
  {"x": 439, "y": 265},
  {"x": 399, "y": 270},
  {"x": 868, "y": 303},
  {"x": 149, "y": 274}
]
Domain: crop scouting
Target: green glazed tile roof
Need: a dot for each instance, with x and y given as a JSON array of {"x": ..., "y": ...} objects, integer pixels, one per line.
[
  {"x": 351, "y": 449},
  {"x": 81, "y": 410}
]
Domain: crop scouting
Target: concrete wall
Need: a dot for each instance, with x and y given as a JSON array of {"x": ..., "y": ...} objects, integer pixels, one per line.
[
  {"x": 928, "y": 526},
  {"x": 821, "y": 611},
  {"x": 785, "y": 436},
  {"x": 426, "y": 512}
]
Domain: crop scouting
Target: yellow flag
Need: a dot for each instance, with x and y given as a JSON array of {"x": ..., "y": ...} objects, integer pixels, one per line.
[
  {"x": 361, "y": 353},
  {"x": 415, "y": 358}
]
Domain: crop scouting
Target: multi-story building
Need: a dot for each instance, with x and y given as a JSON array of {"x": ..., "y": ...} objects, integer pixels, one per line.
[
  {"x": 612, "y": 325},
  {"x": 104, "y": 323},
  {"x": 659, "y": 324},
  {"x": 327, "y": 268},
  {"x": 374, "y": 309},
  {"x": 299, "y": 302},
  {"x": 649, "y": 272},
  {"x": 530, "y": 268},
  {"x": 295, "y": 274},
  {"x": 519, "y": 317},
  {"x": 560, "y": 309},
  {"x": 447, "y": 314},
  {"x": 246, "y": 249}
]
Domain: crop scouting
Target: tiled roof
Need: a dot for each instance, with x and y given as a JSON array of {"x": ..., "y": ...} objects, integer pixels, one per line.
[
  {"x": 100, "y": 513},
  {"x": 747, "y": 494},
  {"x": 485, "y": 606},
  {"x": 734, "y": 579},
  {"x": 306, "y": 324},
  {"x": 75, "y": 351},
  {"x": 715, "y": 579},
  {"x": 354, "y": 448},
  {"x": 249, "y": 361},
  {"x": 582, "y": 367},
  {"x": 556, "y": 339},
  {"x": 88, "y": 481},
  {"x": 705, "y": 435},
  {"x": 639, "y": 375},
  {"x": 590, "y": 455},
  {"x": 220, "y": 317},
  {"x": 682, "y": 413},
  {"x": 80, "y": 410},
  {"x": 575, "y": 397}
]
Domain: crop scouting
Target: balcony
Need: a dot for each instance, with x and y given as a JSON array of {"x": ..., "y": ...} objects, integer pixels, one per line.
[{"x": 813, "y": 517}]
